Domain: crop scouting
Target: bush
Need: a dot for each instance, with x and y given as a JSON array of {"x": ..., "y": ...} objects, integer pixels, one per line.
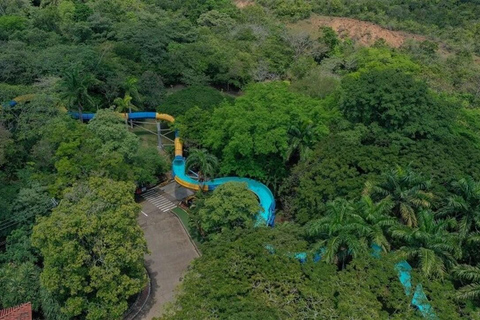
[{"x": 203, "y": 97}]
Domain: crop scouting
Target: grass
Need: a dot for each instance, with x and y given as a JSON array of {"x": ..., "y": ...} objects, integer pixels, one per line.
[
  {"x": 147, "y": 138},
  {"x": 183, "y": 215}
]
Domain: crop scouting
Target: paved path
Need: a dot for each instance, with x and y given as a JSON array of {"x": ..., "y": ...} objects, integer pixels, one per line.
[
  {"x": 158, "y": 200},
  {"x": 170, "y": 251}
]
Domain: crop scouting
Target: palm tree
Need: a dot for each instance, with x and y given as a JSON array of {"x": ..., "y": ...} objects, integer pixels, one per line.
[
  {"x": 342, "y": 232},
  {"x": 464, "y": 206},
  {"x": 74, "y": 90},
  {"x": 205, "y": 163},
  {"x": 124, "y": 105},
  {"x": 469, "y": 274},
  {"x": 302, "y": 140},
  {"x": 430, "y": 245},
  {"x": 408, "y": 191},
  {"x": 377, "y": 215},
  {"x": 131, "y": 90}
]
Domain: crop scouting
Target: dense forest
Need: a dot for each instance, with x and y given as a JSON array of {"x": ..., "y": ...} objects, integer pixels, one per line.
[{"x": 362, "y": 146}]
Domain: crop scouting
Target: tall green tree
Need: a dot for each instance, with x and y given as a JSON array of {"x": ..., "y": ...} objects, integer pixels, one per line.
[
  {"x": 464, "y": 206},
  {"x": 125, "y": 104},
  {"x": 230, "y": 206},
  {"x": 75, "y": 87},
  {"x": 429, "y": 245},
  {"x": 468, "y": 273},
  {"x": 395, "y": 101},
  {"x": 93, "y": 249},
  {"x": 341, "y": 233},
  {"x": 5, "y": 141},
  {"x": 251, "y": 136},
  {"x": 205, "y": 163},
  {"x": 409, "y": 192},
  {"x": 302, "y": 140}
]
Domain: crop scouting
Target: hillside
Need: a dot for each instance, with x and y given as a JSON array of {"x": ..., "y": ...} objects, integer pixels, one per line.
[{"x": 330, "y": 149}]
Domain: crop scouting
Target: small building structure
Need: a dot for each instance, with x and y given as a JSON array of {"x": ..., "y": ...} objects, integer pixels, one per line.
[{"x": 21, "y": 312}]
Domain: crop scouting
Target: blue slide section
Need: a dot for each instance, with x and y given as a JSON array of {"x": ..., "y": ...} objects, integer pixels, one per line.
[{"x": 265, "y": 196}]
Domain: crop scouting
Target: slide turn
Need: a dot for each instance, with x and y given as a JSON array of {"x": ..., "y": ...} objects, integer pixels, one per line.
[
  {"x": 266, "y": 199},
  {"x": 265, "y": 196}
]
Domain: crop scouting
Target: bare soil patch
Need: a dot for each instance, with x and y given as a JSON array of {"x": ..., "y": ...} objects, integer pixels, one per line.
[
  {"x": 243, "y": 3},
  {"x": 362, "y": 32}
]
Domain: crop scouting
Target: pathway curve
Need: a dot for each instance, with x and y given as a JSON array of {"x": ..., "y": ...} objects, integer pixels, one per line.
[{"x": 170, "y": 252}]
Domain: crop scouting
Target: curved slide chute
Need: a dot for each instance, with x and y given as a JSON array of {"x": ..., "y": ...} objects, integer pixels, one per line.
[
  {"x": 266, "y": 198},
  {"x": 20, "y": 99},
  {"x": 266, "y": 215}
]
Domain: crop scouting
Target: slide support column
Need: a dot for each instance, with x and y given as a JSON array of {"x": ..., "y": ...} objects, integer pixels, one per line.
[{"x": 159, "y": 133}]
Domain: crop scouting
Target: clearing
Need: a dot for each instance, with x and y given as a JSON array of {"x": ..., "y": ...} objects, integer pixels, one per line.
[{"x": 362, "y": 32}]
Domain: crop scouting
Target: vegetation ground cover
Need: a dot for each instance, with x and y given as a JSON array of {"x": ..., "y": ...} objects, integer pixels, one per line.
[{"x": 360, "y": 145}]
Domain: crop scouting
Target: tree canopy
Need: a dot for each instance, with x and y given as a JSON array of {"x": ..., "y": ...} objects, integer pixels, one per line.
[{"x": 92, "y": 249}]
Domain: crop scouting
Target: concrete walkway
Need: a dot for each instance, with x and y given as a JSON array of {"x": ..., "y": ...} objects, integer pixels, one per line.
[{"x": 170, "y": 254}]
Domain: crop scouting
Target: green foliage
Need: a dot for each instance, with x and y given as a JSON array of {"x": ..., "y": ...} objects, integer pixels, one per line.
[
  {"x": 463, "y": 205},
  {"x": 75, "y": 86},
  {"x": 5, "y": 142},
  {"x": 395, "y": 101},
  {"x": 114, "y": 138},
  {"x": 409, "y": 193},
  {"x": 348, "y": 230},
  {"x": 430, "y": 246},
  {"x": 93, "y": 249},
  {"x": 204, "y": 163},
  {"x": 237, "y": 277},
  {"x": 289, "y": 9},
  {"x": 415, "y": 107},
  {"x": 230, "y": 206},
  {"x": 149, "y": 165},
  {"x": 206, "y": 98},
  {"x": 316, "y": 83},
  {"x": 19, "y": 282},
  {"x": 10, "y": 24},
  {"x": 468, "y": 274},
  {"x": 252, "y": 135}
]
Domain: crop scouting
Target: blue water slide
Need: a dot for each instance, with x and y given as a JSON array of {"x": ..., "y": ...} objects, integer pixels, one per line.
[{"x": 265, "y": 196}]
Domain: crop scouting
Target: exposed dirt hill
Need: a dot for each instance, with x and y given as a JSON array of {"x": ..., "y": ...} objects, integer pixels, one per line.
[
  {"x": 362, "y": 32},
  {"x": 242, "y": 3}
]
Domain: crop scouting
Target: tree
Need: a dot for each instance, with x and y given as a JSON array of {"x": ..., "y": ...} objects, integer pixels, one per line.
[
  {"x": 251, "y": 136},
  {"x": 396, "y": 102},
  {"x": 124, "y": 104},
  {"x": 468, "y": 273},
  {"x": 238, "y": 278},
  {"x": 345, "y": 233},
  {"x": 429, "y": 245},
  {"x": 5, "y": 142},
  {"x": 202, "y": 161},
  {"x": 19, "y": 283},
  {"x": 205, "y": 98},
  {"x": 464, "y": 207},
  {"x": 131, "y": 91},
  {"x": 377, "y": 215},
  {"x": 407, "y": 190},
  {"x": 114, "y": 138},
  {"x": 93, "y": 249},
  {"x": 149, "y": 165},
  {"x": 302, "y": 140},
  {"x": 152, "y": 89},
  {"x": 230, "y": 206},
  {"x": 75, "y": 87}
]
